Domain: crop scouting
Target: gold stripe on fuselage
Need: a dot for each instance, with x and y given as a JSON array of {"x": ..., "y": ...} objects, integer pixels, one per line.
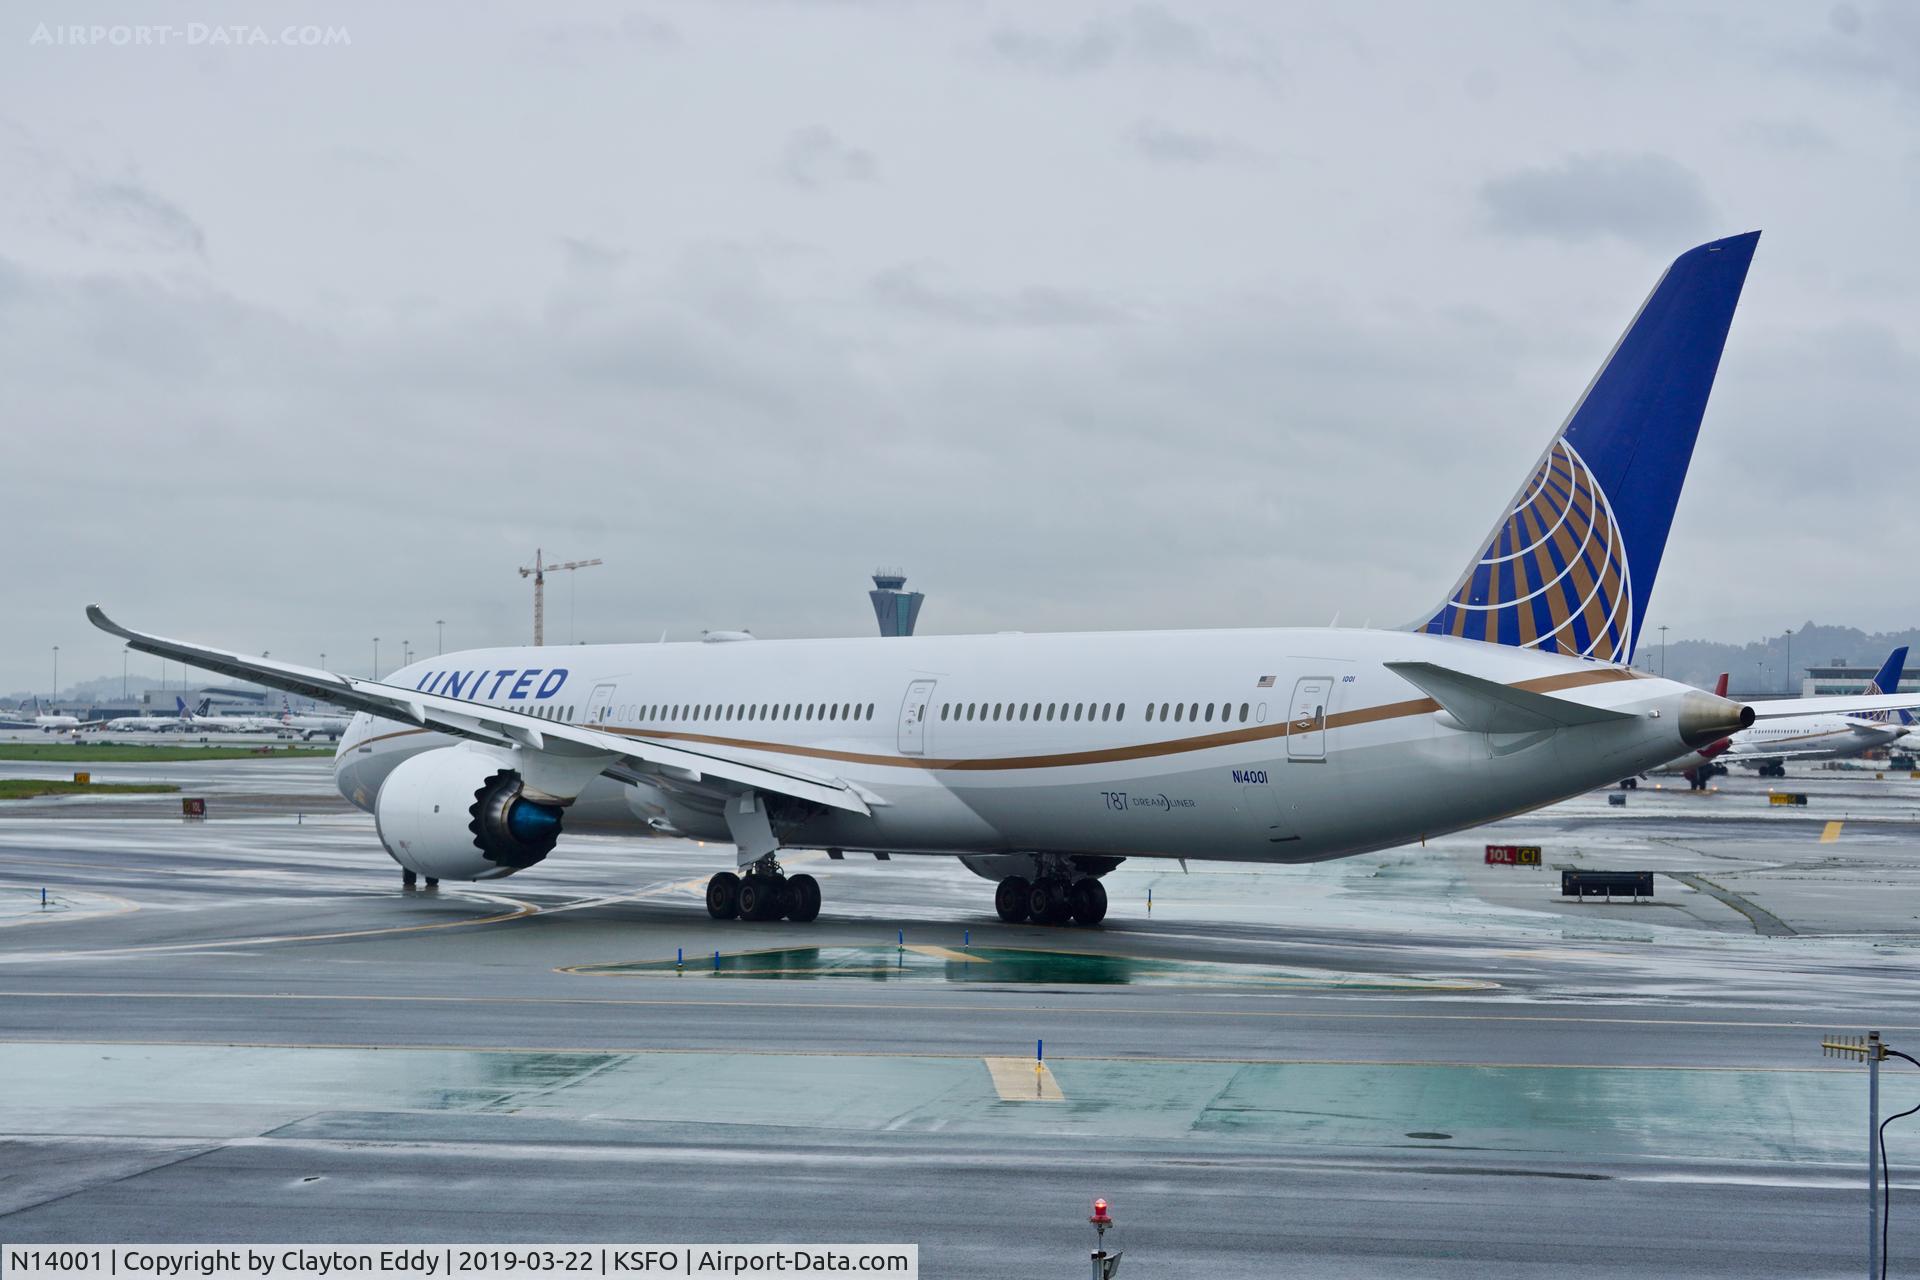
[{"x": 1070, "y": 759}]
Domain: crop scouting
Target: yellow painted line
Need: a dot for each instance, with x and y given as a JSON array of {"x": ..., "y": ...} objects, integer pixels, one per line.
[
  {"x": 947, "y": 953},
  {"x": 1023, "y": 1080},
  {"x": 1832, "y": 832}
]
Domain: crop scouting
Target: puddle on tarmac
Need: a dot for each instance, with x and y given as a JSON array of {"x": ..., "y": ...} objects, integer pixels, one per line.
[{"x": 1009, "y": 965}]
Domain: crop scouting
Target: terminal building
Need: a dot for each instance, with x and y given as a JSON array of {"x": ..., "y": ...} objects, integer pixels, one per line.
[
  {"x": 1843, "y": 676},
  {"x": 895, "y": 607}
]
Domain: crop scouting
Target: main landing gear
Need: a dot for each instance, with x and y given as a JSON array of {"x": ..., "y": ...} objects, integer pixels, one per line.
[
  {"x": 1051, "y": 900},
  {"x": 764, "y": 893},
  {"x": 409, "y": 880},
  {"x": 1773, "y": 771}
]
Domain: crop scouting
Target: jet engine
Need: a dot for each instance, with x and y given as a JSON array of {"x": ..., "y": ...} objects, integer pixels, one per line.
[{"x": 458, "y": 814}]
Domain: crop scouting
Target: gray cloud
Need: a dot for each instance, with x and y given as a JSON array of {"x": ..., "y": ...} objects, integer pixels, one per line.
[
  {"x": 631, "y": 30},
  {"x": 1168, "y": 144},
  {"x": 907, "y": 289},
  {"x": 588, "y": 257},
  {"x": 126, "y": 214},
  {"x": 1147, "y": 35},
  {"x": 816, "y": 157},
  {"x": 1783, "y": 136},
  {"x": 1861, "y": 49},
  {"x": 1640, "y": 197}
]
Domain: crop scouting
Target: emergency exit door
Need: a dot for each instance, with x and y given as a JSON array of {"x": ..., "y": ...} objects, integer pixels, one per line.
[
  {"x": 1307, "y": 721},
  {"x": 913, "y": 717}
]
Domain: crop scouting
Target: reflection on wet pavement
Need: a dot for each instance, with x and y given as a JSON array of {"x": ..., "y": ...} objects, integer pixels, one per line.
[{"x": 1009, "y": 965}]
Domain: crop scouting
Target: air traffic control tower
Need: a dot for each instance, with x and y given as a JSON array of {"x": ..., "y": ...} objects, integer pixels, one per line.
[{"x": 895, "y": 606}]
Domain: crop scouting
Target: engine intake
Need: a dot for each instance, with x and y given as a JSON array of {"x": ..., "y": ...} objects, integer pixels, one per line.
[{"x": 457, "y": 814}]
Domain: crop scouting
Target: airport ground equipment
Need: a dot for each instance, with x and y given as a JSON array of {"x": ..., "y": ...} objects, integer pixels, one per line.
[
  {"x": 1105, "y": 1265},
  {"x": 1873, "y": 1051},
  {"x": 538, "y": 571},
  {"x": 1606, "y": 884}
]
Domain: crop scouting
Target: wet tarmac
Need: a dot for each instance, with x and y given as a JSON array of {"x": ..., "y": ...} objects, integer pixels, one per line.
[{"x": 240, "y": 1028}]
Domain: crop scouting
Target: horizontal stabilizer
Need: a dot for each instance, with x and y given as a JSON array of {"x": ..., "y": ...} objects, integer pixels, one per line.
[{"x": 1487, "y": 706}]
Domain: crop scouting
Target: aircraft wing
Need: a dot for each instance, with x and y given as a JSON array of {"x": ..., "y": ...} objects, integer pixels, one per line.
[
  {"x": 495, "y": 725},
  {"x": 1839, "y": 704}
]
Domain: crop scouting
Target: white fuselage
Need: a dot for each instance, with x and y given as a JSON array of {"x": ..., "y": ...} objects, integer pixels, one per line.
[
  {"x": 1253, "y": 745},
  {"x": 1825, "y": 737},
  {"x": 313, "y": 725}
]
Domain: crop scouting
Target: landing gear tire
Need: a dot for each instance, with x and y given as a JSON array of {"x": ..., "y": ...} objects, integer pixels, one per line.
[
  {"x": 1088, "y": 900},
  {"x": 761, "y": 897},
  {"x": 723, "y": 896},
  {"x": 407, "y": 878},
  {"x": 1629, "y": 784},
  {"x": 803, "y": 899},
  {"x": 1047, "y": 901},
  {"x": 1010, "y": 899}
]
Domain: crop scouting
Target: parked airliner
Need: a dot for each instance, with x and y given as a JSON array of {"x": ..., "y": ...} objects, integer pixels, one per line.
[
  {"x": 1766, "y": 748},
  {"x": 1042, "y": 761}
]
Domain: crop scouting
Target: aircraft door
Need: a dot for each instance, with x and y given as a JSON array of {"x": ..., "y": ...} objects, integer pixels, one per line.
[
  {"x": 599, "y": 706},
  {"x": 1307, "y": 719},
  {"x": 913, "y": 717}
]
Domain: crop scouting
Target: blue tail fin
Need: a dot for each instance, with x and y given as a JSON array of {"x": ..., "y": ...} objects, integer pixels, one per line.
[
  {"x": 1570, "y": 565},
  {"x": 1888, "y": 681},
  {"x": 180, "y": 706}
]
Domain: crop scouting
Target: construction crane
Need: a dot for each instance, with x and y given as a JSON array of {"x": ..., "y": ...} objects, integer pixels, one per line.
[{"x": 538, "y": 571}]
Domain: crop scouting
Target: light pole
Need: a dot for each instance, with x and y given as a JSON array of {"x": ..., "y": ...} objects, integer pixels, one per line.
[
  {"x": 406, "y": 653},
  {"x": 1663, "y": 653},
  {"x": 1789, "y": 659},
  {"x": 376, "y": 657},
  {"x": 440, "y": 640},
  {"x": 323, "y": 659},
  {"x": 123, "y": 674}
]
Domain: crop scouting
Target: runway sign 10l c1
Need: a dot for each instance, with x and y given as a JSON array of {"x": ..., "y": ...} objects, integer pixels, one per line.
[{"x": 1513, "y": 855}]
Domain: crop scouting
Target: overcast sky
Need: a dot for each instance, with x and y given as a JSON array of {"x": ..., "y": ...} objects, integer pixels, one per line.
[{"x": 1089, "y": 316}]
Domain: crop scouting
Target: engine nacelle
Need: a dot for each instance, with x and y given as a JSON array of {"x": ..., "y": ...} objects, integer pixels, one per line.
[{"x": 457, "y": 814}]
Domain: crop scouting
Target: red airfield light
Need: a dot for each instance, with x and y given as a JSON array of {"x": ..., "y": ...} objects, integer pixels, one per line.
[{"x": 1100, "y": 1218}]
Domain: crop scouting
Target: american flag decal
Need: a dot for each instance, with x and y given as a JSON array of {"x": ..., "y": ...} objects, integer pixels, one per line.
[{"x": 1266, "y": 682}]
